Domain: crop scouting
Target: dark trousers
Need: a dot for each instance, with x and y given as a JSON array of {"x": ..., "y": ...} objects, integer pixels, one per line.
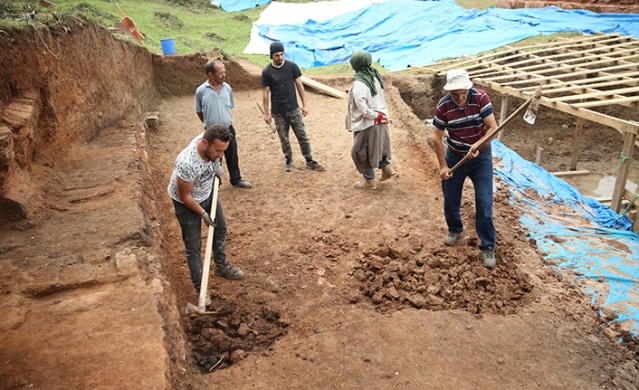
[
  {"x": 480, "y": 172},
  {"x": 232, "y": 159},
  {"x": 191, "y": 225}
]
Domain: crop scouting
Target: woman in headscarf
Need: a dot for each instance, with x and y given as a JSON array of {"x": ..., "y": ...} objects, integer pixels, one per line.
[{"x": 368, "y": 119}]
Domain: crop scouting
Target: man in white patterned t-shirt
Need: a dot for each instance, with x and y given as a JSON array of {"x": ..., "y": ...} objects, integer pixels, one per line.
[{"x": 191, "y": 188}]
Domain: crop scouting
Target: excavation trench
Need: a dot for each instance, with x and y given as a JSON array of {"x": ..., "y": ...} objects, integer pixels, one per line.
[{"x": 92, "y": 252}]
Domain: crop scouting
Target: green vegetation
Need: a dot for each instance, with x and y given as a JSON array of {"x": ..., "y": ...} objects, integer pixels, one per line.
[
  {"x": 194, "y": 25},
  {"x": 479, "y": 4}
]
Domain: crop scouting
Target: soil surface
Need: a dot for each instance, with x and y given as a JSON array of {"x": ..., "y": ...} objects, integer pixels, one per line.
[
  {"x": 344, "y": 288},
  {"x": 599, "y": 6}
]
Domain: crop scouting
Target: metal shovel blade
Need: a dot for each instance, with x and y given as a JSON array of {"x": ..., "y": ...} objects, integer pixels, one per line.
[
  {"x": 533, "y": 107},
  {"x": 192, "y": 309}
]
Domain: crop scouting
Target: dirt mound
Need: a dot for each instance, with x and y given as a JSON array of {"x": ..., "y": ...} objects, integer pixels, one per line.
[
  {"x": 445, "y": 278},
  {"x": 600, "y": 6},
  {"x": 229, "y": 333}
]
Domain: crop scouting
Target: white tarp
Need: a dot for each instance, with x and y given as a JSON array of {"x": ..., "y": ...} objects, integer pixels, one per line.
[{"x": 291, "y": 13}]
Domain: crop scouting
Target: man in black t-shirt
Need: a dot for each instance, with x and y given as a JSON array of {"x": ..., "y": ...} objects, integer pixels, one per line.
[{"x": 280, "y": 80}]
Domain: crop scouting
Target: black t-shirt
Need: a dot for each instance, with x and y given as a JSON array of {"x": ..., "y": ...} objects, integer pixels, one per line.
[{"x": 281, "y": 82}]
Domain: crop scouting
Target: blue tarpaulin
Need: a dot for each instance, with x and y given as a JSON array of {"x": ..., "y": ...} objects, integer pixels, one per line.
[
  {"x": 401, "y": 33},
  {"x": 240, "y": 5},
  {"x": 576, "y": 233}
]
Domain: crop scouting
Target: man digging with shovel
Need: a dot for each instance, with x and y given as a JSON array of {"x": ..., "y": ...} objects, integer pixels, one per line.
[
  {"x": 191, "y": 188},
  {"x": 467, "y": 114}
]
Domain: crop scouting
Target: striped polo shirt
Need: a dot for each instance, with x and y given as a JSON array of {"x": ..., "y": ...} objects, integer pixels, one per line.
[{"x": 465, "y": 124}]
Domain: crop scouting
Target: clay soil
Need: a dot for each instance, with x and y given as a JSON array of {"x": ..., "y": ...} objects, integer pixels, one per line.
[
  {"x": 599, "y": 6},
  {"x": 344, "y": 288}
]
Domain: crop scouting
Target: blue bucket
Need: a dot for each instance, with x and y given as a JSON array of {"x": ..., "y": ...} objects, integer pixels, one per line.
[{"x": 168, "y": 46}]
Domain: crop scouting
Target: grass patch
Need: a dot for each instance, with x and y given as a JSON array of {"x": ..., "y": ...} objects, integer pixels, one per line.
[
  {"x": 169, "y": 20},
  {"x": 479, "y": 4}
]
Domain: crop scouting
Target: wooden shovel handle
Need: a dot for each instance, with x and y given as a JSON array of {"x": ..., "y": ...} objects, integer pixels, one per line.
[
  {"x": 209, "y": 248},
  {"x": 270, "y": 124},
  {"x": 493, "y": 133},
  {"x": 120, "y": 9}
]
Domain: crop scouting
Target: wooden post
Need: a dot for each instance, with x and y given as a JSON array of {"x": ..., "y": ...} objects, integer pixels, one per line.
[
  {"x": 622, "y": 173},
  {"x": 540, "y": 155},
  {"x": 503, "y": 112},
  {"x": 575, "y": 143}
]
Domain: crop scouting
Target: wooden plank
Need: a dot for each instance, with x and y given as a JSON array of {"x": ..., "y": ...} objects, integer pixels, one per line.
[
  {"x": 503, "y": 54},
  {"x": 575, "y": 144},
  {"x": 599, "y": 103},
  {"x": 324, "y": 88},
  {"x": 600, "y": 95},
  {"x": 570, "y": 173},
  {"x": 616, "y": 123},
  {"x": 582, "y": 54},
  {"x": 538, "y": 78},
  {"x": 622, "y": 125},
  {"x": 587, "y": 86},
  {"x": 627, "y": 194},
  {"x": 539, "y": 156},
  {"x": 622, "y": 172},
  {"x": 608, "y": 200},
  {"x": 613, "y": 79},
  {"x": 502, "y": 113},
  {"x": 564, "y": 67},
  {"x": 635, "y": 200}
]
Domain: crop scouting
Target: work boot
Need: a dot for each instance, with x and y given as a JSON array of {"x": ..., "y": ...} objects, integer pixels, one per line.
[
  {"x": 242, "y": 184},
  {"x": 451, "y": 238},
  {"x": 314, "y": 165},
  {"x": 365, "y": 184},
  {"x": 488, "y": 254},
  {"x": 288, "y": 165},
  {"x": 229, "y": 272},
  {"x": 387, "y": 173}
]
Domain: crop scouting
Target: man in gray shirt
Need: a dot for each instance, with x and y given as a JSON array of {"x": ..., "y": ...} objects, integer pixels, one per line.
[
  {"x": 191, "y": 189},
  {"x": 213, "y": 104}
]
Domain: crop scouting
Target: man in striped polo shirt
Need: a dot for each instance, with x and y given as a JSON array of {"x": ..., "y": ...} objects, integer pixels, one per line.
[{"x": 467, "y": 114}]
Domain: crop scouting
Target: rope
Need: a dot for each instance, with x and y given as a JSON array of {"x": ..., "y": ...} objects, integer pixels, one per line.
[
  {"x": 624, "y": 158},
  {"x": 27, "y": 17},
  {"x": 632, "y": 202}
]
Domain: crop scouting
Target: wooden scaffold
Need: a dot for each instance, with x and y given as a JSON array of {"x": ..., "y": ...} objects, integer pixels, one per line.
[{"x": 580, "y": 76}]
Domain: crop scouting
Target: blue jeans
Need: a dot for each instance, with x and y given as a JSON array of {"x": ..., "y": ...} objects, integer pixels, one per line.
[
  {"x": 283, "y": 123},
  {"x": 191, "y": 225},
  {"x": 480, "y": 172}
]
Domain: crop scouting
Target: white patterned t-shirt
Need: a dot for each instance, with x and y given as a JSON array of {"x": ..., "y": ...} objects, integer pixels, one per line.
[{"x": 190, "y": 167}]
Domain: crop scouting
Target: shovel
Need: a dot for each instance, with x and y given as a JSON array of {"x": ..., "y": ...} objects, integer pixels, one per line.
[
  {"x": 130, "y": 26},
  {"x": 201, "y": 307},
  {"x": 532, "y": 105},
  {"x": 270, "y": 124}
]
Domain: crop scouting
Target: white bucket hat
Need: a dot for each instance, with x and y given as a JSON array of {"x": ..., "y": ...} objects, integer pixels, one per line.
[{"x": 457, "y": 79}]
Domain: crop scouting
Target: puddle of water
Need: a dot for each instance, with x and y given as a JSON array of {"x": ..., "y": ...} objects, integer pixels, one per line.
[{"x": 597, "y": 186}]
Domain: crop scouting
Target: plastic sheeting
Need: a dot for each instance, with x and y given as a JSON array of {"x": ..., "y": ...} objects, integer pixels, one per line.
[
  {"x": 576, "y": 233},
  {"x": 401, "y": 33},
  {"x": 240, "y": 5},
  {"x": 294, "y": 13}
]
